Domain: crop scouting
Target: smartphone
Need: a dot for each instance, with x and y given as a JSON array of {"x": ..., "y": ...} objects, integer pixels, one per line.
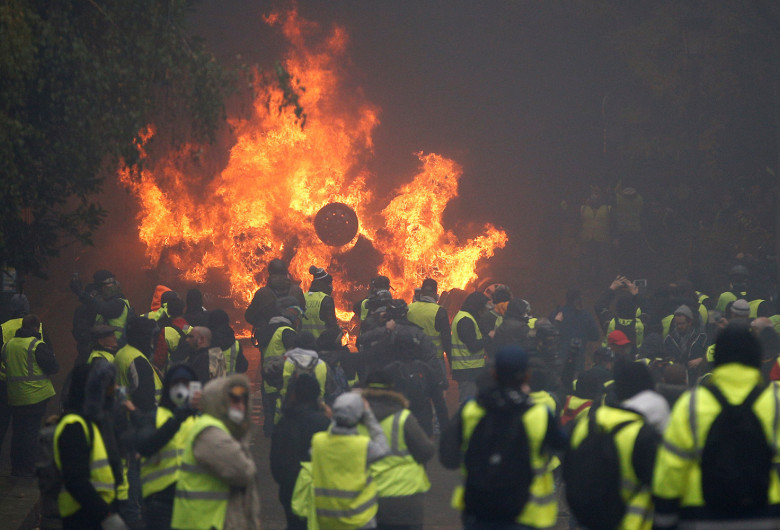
[{"x": 642, "y": 284}]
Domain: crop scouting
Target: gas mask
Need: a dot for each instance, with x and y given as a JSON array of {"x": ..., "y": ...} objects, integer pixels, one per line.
[{"x": 179, "y": 394}]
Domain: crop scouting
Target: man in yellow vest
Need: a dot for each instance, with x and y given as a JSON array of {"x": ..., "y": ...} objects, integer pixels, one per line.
[
  {"x": 110, "y": 305},
  {"x": 160, "y": 439},
  {"x": 104, "y": 344},
  {"x": 344, "y": 491},
  {"x": 401, "y": 480},
  {"x": 686, "y": 487},
  {"x": 320, "y": 316},
  {"x": 224, "y": 338},
  {"x": 361, "y": 309},
  {"x": 426, "y": 312},
  {"x": 217, "y": 485},
  {"x": 134, "y": 369},
  {"x": 86, "y": 451},
  {"x": 468, "y": 345},
  {"x": 505, "y": 409},
  {"x": 27, "y": 363}
]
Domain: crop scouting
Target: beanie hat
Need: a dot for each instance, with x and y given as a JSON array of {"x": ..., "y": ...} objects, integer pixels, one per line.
[
  {"x": 318, "y": 273},
  {"x": 102, "y": 275},
  {"x": 277, "y": 266},
  {"x": 685, "y": 311},
  {"x": 740, "y": 308}
]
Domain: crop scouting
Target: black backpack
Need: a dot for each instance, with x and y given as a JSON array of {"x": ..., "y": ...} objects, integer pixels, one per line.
[
  {"x": 409, "y": 379},
  {"x": 498, "y": 466},
  {"x": 736, "y": 460},
  {"x": 593, "y": 479}
]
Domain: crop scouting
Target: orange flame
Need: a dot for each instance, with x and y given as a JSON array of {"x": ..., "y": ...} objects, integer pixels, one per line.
[{"x": 279, "y": 175}]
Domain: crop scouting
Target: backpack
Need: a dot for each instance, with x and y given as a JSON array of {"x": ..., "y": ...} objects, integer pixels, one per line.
[
  {"x": 409, "y": 380},
  {"x": 217, "y": 364},
  {"x": 736, "y": 459},
  {"x": 593, "y": 479},
  {"x": 498, "y": 466}
]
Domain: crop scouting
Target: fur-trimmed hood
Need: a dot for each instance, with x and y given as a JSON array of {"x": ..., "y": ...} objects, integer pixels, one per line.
[
  {"x": 215, "y": 401},
  {"x": 385, "y": 402}
]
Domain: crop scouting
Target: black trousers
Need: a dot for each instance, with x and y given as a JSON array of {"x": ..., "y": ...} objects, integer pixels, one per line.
[{"x": 26, "y": 424}]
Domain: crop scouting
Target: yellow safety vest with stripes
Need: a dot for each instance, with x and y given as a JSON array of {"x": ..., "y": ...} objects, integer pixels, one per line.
[
  {"x": 637, "y": 498},
  {"x": 162, "y": 469},
  {"x": 27, "y": 384},
  {"x": 100, "y": 354},
  {"x": 500, "y": 320},
  {"x": 320, "y": 373},
  {"x": 424, "y": 315},
  {"x": 311, "y": 321},
  {"x": 398, "y": 474},
  {"x": 275, "y": 348},
  {"x": 677, "y": 473},
  {"x": 123, "y": 359},
  {"x": 100, "y": 474},
  {"x": 344, "y": 490},
  {"x": 541, "y": 510},
  {"x": 231, "y": 354},
  {"x": 460, "y": 357},
  {"x": 201, "y": 498},
  {"x": 10, "y": 327}
]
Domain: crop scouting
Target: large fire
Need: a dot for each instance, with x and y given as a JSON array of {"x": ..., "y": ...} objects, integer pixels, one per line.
[{"x": 281, "y": 172}]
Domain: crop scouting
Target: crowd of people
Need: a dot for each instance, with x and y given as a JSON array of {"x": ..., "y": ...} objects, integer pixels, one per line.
[{"x": 656, "y": 409}]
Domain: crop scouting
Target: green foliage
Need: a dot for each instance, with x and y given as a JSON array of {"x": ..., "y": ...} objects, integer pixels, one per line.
[{"x": 78, "y": 80}]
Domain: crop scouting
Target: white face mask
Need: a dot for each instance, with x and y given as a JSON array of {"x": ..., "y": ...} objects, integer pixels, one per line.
[
  {"x": 179, "y": 394},
  {"x": 236, "y": 416}
]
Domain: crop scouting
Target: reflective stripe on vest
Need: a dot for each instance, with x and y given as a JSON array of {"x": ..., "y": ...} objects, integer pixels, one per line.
[
  {"x": 275, "y": 348},
  {"x": 162, "y": 469},
  {"x": 460, "y": 357},
  {"x": 424, "y": 315},
  {"x": 231, "y": 354},
  {"x": 201, "y": 497},
  {"x": 344, "y": 492},
  {"x": 27, "y": 384},
  {"x": 312, "y": 322},
  {"x": 541, "y": 510},
  {"x": 397, "y": 474},
  {"x": 100, "y": 474}
]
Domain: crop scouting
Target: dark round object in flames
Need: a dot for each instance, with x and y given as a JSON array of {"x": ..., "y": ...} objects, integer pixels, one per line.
[{"x": 336, "y": 224}]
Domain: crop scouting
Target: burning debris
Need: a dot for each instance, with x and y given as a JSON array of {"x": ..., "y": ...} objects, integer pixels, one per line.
[{"x": 303, "y": 193}]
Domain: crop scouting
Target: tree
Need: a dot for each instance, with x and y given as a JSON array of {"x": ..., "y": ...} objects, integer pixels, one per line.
[{"x": 79, "y": 79}]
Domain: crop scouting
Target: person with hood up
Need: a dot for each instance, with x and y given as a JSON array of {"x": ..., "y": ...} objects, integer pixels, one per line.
[
  {"x": 643, "y": 415},
  {"x": 401, "y": 481},
  {"x": 217, "y": 485},
  {"x": 134, "y": 369},
  {"x": 686, "y": 344},
  {"x": 86, "y": 451},
  {"x": 304, "y": 415},
  {"x": 27, "y": 363},
  {"x": 195, "y": 314},
  {"x": 344, "y": 491},
  {"x": 224, "y": 338},
  {"x": 159, "y": 306},
  {"x": 160, "y": 439},
  {"x": 264, "y": 304},
  {"x": 301, "y": 359},
  {"x": 468, "y": 345},
  {"x": 108, "y": 303},
  {"x": 320, "y": 317}
]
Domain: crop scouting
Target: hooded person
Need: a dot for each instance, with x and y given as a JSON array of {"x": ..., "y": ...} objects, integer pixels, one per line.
[
  {"x": 304, "y": 415},
  {"x": 400, "y": 477},
  {"x": 320, "y": 316},
  {"x": 686, "y": 344},
  {"x": 224, "y": 338},
  {"x": 157, "y": 309},
  {"x": 134, "y": 368},
  {"x": 264, "y": 304},
  {"x": 217, "y": 485},
  {"x": 86, "y": 451},
  {"x": 195, "y": 314},
  {"x": 160, "y": 438},
  {"x": 303, "y": 358},
  {"x": 344, "y": 492},
  {"x": 468, "y": 345}
]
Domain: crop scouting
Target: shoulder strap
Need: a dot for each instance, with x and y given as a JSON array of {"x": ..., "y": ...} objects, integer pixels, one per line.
[{"x": 747, "y": 403}]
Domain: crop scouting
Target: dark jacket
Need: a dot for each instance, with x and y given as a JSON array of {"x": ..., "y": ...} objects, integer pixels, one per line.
[
  {"x": 263, "y": 306},
  {"x": 514, "y": 329}
]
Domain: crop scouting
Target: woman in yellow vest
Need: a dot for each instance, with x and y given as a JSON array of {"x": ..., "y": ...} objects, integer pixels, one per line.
[
  {"x": 160, "y": 439},
  {"x": 505, "y": 396},
  {"x": 401, "y": 481},
  {"x": 344, "y": 491},
  {"x": 217, "y": 487},
  {"x": 86, "y": 451},
  {"x": 27, "y": 363}
]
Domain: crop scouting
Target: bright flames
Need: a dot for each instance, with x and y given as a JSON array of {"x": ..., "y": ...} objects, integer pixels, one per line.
[{"x": 279, "y": 174}]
